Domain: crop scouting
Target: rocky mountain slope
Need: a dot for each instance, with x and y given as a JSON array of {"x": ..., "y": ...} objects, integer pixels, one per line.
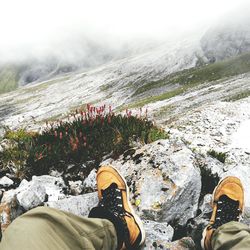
[
  {"x": 203, "y": 107},
  {"x": 113, "y": 83},
  {"x": 171, "y": 180},
  {"x": 230, "y": 36}
]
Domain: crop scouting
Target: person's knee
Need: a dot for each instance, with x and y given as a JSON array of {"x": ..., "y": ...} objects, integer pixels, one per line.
[{"x": 41, "y": 212}]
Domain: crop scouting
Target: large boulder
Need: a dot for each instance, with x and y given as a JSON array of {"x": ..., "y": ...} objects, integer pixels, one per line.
[{"x": 164, "y": 181}]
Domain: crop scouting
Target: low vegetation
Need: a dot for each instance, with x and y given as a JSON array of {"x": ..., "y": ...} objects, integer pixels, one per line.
[
  {"x": 218, "y": 155},
  {"x": 190, "y": 78},
  {"x": 206, "y": 73},
  {"x": 161, "y": 97},
  {"x": 8, "y": 79},
  {"x": 238, "y": 96},
  {"x": 86, "y": 136}
]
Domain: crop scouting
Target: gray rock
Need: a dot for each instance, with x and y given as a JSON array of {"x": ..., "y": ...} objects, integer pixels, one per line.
[
  {"x": 164, "y": 182},
  {"x": 79, "y": 205},
  {"x": 90, "y": 182},
  {"x": 206, "y": 205},
  {"x": 157, "y": 233},
  {"x": 9, "y": 199},
  {"x": 33, "y": 196},
  {"x": 53, "y": 185},
  {"x": 2, "y": 132},
  {"x": 196, "y": 226},
  {"x": 34, "y": 193},
  {"x": 243, "y": 173},
  {"x": 185, "y": 243},
  {"x": 6, "y": 182},
  {"x": 55, "y": 173},
  {"x": 76, "y": 187},
  {"x": 246, "y": 216},
  {"x": 230, "y": 37}
]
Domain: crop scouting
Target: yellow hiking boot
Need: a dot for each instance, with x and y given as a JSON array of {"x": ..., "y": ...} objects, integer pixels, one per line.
[
  {"x": 113, "y": 194},
  {"x": 228, "y": 203}
]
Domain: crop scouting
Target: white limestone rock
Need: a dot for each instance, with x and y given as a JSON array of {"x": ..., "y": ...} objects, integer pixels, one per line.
[
  {"x": 33, "y": 196},
  {"x": 157, "y": 233},
  {"x": 35, "y": 192},
  {"x": 243, "y": 173},
  {"x": 76, "y": 187},
  {"x": 79, "y": 205},
  {"x": 165, "y": 183},
  {"x": 6, "y": 182},
  {"x": 90, "y": 182},
  {"x": 54, "y": 186}
]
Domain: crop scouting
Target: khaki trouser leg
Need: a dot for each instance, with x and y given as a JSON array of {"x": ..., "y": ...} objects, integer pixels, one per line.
[
  {"x": 46, "y": 228},
  {"x": 233, "y": 236}
]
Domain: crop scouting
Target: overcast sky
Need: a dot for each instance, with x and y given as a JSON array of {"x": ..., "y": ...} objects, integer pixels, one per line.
[{"x": 42, "y": 23}]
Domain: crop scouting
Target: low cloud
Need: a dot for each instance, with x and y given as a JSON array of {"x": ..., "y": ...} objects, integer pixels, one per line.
[{"x": 89, "y": 32}]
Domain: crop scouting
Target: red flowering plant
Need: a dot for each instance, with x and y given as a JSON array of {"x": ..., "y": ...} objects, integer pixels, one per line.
[{"x": 88, "y": 135}]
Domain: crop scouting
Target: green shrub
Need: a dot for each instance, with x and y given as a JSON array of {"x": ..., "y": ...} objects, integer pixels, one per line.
[
  {"x": 86, "y": 136},
  {"x": 218, "y": 155},
  {"x": 17, "y": 152},
  {"x": 89, "y": 136}
]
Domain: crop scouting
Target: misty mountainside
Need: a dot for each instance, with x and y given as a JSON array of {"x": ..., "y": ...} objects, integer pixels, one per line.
[
  {"x": 230, "y": 36},
  {"x": 81, "y": 53},
  {"x": 227, "y": 38},
  {"x": 114, "y": 83},
  {"x": 167, "y": 81}
]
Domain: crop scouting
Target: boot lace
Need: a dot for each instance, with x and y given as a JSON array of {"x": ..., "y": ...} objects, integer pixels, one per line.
[
  {"x": 227, "y": 210},
  {"x": 112, "y": 201}
]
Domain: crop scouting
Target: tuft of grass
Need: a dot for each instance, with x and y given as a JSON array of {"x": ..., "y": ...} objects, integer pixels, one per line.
[
  {"x": 238, "y": 96},
  {"x": 8, "y": 79},
  {"x": 20, "y": 143},
  {"x": 164, "y": 96},
  {"x": 218, "y": 155}
]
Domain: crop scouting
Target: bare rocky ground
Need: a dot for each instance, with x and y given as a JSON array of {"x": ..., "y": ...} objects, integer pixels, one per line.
[
  {"x": 171, "y": 181},
  {"x": 113, "y": 83}
]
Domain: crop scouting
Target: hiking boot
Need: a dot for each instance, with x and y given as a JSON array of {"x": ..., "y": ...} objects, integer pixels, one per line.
[
  {"x": 228, "y": 203},
  {"x": 113, "y": 196}
]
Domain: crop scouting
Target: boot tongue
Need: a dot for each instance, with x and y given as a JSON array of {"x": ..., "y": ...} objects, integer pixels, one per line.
[
  {"x": 111, "y": 186},
  {"x": 227, "y": 198}
]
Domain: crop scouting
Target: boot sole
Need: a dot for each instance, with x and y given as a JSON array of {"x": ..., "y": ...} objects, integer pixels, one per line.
[{"x": 136, "y": 217}]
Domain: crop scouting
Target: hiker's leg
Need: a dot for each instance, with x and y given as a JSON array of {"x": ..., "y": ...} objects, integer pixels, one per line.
[
  {"x": 47, "y": 228},
  {"x": 233, "y": 235}
]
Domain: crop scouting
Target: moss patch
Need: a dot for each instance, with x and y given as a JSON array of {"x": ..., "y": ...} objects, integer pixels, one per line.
[
  {"x": 238, "y": 96},
  {"x": 8, "y": 79},
  {"x": 164, "y": 96},
  {"x": 218, "y": 155}
]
